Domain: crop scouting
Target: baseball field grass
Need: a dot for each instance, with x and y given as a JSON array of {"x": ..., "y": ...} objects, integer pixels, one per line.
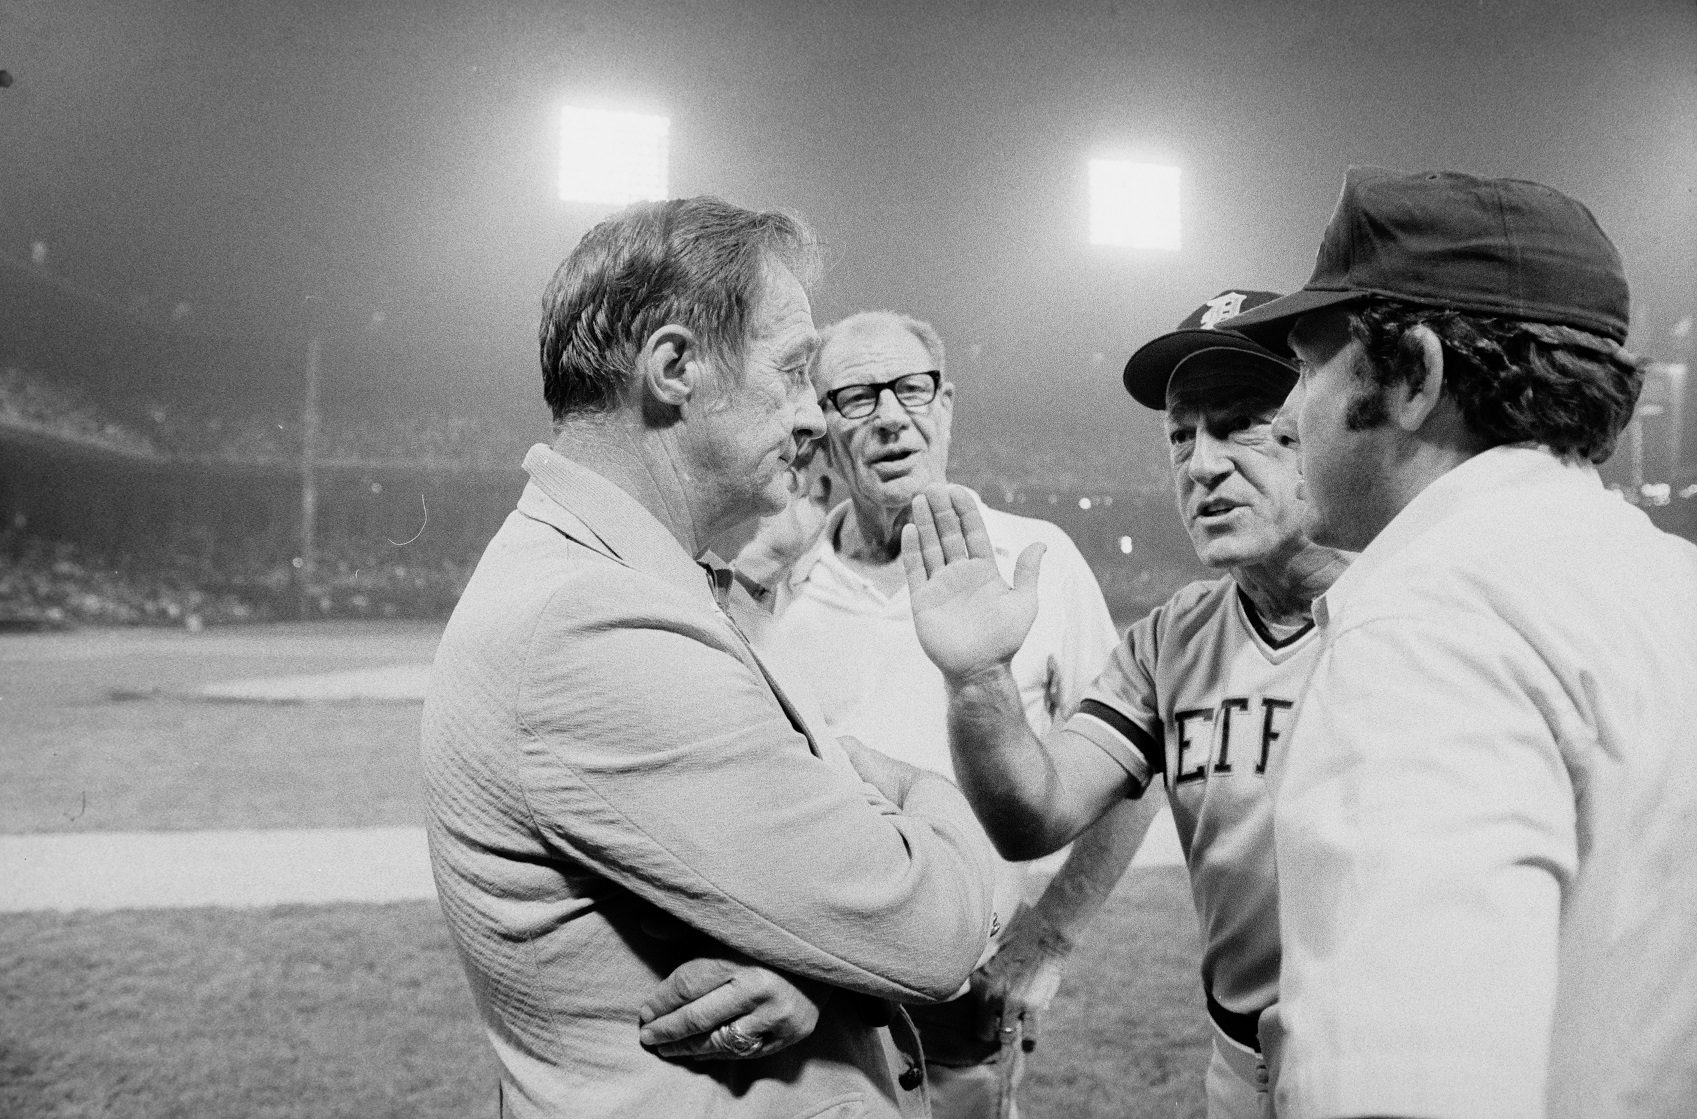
[{"x": 362, "y": 1010}]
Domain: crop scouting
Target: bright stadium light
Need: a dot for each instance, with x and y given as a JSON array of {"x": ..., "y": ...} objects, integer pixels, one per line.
[
  {"x": 611, "y": 158},
  {"x": 1133, "y": 205}
]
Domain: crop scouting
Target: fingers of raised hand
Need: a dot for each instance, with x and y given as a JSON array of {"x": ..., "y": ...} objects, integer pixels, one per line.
[
  {"x": 913, "y": 562},
  {"x": 946, "y": 511},
  {"x": 925, "y": 525},
  {"x": 974, "y": 536},
  {"x": 1025, "y": 568}
]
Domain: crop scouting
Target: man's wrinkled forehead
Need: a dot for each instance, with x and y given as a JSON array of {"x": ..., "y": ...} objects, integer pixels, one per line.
[{"x": 873, "y": 351}]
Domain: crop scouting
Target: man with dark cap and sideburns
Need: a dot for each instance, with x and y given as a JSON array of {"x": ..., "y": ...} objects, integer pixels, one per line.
[{"x": 1485, "y": 833}]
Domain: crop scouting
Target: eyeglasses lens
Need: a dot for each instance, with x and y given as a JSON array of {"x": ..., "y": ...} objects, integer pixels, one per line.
[{"x": 915, "y": 390}]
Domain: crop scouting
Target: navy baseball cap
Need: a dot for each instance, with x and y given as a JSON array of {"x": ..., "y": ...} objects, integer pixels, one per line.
[
  {"x": 1505, "y": 247},
  {"x": 1232, "y": 359}
]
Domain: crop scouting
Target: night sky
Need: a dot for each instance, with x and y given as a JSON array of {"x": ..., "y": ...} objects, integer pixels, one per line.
[{"x": 385, "y": 172}]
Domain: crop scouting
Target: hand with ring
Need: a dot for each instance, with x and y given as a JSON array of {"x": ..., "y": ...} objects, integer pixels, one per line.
[
  {"x": 726, "y": 1007},
  {"x": 735, "y": 1043},
  {"x": 1013, "y": 990}
]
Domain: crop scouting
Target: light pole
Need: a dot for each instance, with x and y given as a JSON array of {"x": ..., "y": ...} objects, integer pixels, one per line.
[{"x": 309, "y": 477}]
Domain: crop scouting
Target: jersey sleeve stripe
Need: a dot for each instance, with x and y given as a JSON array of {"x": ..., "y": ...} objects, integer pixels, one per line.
[{"x": 1148, "y": 745}]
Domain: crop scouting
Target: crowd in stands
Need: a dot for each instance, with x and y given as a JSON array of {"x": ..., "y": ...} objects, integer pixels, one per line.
[
  {"x": 51, "y": 582},
  {"x": 63, "y": 411},
  {"x": 45, "y": 583},
  {"x": 258, "y": 433},
  {"x": 274, "y": 434},
  {"x": 1034, "y": 466},
  {"x": 434, "y": 437}
]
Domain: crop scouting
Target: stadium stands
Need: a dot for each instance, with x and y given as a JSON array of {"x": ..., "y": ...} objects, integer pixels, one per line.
[
  {"x": 64, "y": 412},
  {"x": 58, "y": 582},
  {"x": 189, "y": 514}
]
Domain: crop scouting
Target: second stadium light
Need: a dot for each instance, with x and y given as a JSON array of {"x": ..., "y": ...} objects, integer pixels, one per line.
[{"x": 1134, "y": 205}]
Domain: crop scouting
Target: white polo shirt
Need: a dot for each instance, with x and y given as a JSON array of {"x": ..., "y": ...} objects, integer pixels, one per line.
[
  {"x": 836, "y": 633},
  {"x": 1486, "y": 825}
]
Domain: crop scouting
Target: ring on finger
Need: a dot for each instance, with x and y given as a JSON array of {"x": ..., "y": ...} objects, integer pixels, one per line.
[{"x": 736, "y": 1042}]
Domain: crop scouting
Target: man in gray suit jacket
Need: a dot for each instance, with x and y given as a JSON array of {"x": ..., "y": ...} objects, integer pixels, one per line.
[{"x": 671, "y": 896}]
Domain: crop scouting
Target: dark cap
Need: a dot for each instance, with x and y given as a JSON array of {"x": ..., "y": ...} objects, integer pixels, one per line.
[
  {"x": 1154, "y": 365},
  {"x": 1504, "y": 247}
]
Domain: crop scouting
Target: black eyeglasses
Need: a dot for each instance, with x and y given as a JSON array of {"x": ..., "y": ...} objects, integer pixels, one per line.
[{"x": 912, "y": 390}]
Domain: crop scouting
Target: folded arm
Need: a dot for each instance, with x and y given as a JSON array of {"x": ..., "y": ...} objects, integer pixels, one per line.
[{"x": 660, "y": 759}]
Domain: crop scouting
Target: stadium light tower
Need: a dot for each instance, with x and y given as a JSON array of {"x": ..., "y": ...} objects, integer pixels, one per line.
[
  {"x": 1134, "y": 205},
  {"x": 612, "y": 158}
]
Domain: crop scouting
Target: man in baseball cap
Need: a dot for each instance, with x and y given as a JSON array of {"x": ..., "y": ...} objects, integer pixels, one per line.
[
  {"x": 1198, "y": 695},
  {"x": 1484, "y": 838}
]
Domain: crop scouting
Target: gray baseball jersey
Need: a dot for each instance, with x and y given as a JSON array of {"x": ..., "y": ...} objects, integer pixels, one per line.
[{"x": 1201, "y": 693}]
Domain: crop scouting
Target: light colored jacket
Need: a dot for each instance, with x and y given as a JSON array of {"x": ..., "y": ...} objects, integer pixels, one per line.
[{"x": 615, "y": 787}]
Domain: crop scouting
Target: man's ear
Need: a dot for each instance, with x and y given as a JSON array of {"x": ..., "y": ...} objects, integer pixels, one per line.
[
  {"x": 1411, "y": 404},
  {"x": 671, "y": 366}
]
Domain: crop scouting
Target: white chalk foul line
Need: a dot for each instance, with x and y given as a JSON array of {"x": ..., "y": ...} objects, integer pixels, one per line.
[
  {"x": 245, "y": 869},
  {"x": 171, "y": 870}
]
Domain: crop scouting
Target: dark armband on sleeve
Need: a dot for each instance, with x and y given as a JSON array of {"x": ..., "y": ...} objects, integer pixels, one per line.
[{"x": 1146, "y": 744}]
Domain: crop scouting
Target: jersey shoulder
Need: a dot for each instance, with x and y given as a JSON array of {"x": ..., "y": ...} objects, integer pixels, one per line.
[
  {"x": 1193, "y": 605},
  {"x": 1177, "y": 624}
]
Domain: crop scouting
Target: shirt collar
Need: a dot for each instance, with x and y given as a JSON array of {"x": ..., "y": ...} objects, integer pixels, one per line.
[
  {"x": 803, "y": 567},
  {"x": 1510, "y": 466},
  {"x": 598, "y": 514},
  {"x": 720, "y": 577}
]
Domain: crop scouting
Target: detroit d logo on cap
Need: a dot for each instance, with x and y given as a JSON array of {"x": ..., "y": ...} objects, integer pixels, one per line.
[{"x": 1221, "y": 308}]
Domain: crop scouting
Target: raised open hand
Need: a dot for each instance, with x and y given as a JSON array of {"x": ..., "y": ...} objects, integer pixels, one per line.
[{"x": 967, "y": 617}]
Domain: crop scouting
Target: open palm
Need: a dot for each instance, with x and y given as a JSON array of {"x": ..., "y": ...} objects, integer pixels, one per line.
[{"x": 967, "y": 617}]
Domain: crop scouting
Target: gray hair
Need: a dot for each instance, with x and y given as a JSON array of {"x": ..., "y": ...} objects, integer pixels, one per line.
[
  {"x": 696, "y": 262},
  {"x": 924, "y": 331}
]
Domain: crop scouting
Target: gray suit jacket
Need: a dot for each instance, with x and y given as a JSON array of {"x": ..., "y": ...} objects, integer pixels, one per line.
[{"x": 615, "y": 786}]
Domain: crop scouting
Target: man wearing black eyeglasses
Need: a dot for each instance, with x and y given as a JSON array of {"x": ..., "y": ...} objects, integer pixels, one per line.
[{"x": 842, "y": 624}]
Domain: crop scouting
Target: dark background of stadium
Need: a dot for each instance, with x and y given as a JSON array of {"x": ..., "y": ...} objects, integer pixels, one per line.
[{"x": 191, "y": 193}]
